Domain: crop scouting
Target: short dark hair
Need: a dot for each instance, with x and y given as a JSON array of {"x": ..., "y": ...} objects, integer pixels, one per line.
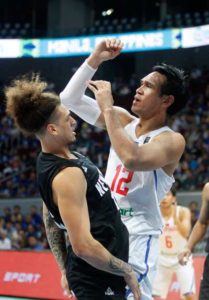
[
  {"x": 29, "y": 105},
  {"x": 173, "y": 191},
  {"x": 176, "y": 84}
]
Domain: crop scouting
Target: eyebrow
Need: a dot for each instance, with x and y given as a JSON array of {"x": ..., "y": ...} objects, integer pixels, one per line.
[
  {"x": 147, "y": 81},
  {"x": 69, "y": 113}
]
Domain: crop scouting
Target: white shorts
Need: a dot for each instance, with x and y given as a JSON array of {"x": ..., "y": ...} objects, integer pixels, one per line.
[
  {"x": 143, "y": 254},
  {"x": 185, "y": 277}
]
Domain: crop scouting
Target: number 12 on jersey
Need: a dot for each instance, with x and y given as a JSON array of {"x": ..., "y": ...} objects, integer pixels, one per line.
[{"x": 122, "y": 177}]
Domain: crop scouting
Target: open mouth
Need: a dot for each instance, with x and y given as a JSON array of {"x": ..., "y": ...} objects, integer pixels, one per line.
[{"x": 136, "y": 99}]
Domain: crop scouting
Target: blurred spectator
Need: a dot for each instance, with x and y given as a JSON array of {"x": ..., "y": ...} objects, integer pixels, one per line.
[
  {"x": 193, "y": 206},
  {"x": 36, "y": 218},
  {"x": 5, "y": 242},
  {"x": 34, "y": 244},
  {"x": 22, "y": 231}
]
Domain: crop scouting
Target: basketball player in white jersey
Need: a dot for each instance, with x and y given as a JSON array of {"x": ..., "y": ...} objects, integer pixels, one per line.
[
  {"x": 144, "y": 152},
  {"x": 176, "y": 229}
]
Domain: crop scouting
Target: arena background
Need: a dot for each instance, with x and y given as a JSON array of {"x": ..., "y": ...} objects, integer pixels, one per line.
[{"x": 28, "y": 268}]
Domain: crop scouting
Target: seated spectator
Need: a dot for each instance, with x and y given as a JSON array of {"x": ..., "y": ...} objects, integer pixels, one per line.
[
  {"x": 5, "y": 242},
  {"x": 34, "y": 244},
  {"x": 193, "y": 206}
]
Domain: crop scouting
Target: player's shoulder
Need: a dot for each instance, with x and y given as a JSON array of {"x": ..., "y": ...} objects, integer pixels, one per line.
[
  {"x": 125, "y": 116},
  {"x": 183, "y": 210},
  {"x": 205, "y": 192},
  {"x": 172, "y": 140},
  {"x": 175, "y": 136},
  {"x": 206, "y": 187}
]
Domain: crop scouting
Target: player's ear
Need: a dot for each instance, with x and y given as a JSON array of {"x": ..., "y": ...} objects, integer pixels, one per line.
[{"x": 168, "y": 100}]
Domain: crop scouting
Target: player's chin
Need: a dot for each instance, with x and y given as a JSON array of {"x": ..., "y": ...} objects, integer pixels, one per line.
[
  {"x": 72, "y": 139},
  {"x": 135, "y": 109}
]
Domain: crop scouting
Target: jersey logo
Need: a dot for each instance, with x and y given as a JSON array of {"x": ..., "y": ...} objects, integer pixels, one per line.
[
  {"x": 146, "y": 140},
  {"x": 109, "y": 292}
]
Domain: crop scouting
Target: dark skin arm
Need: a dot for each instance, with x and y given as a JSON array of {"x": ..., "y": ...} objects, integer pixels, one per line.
[{"x": 200, "y": 227}]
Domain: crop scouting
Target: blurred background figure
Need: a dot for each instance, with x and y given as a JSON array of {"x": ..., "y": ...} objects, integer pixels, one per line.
[{"x": 177, "y": 226}]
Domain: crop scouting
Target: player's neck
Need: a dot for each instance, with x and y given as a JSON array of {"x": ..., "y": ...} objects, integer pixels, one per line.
[
  {"x": 147, "y": 125},
  {"x": 166, "y": 212},
  {"x": 63, "y": 152}
]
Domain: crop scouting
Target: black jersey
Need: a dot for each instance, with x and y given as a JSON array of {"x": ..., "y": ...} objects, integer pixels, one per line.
[{"x": 105, "y": 222}]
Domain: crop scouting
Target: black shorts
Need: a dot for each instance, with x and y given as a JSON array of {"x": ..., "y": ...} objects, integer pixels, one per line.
[
  {"x": 94, "y": 288},
  {"x": 89, "y": 283},
  {"x": 204, "y": 287}
]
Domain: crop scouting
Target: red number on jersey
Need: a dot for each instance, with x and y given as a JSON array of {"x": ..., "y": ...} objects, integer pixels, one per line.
[
  {"x": 125, "y": 178},
  {"x": 168, "y": 241}
]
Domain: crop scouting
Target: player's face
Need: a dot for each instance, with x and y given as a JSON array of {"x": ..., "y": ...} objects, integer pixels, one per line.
[
  {"x": 147, "y": 100},
  {"x": 168, "y": 200},
  {"x": 65, "y": 126}
]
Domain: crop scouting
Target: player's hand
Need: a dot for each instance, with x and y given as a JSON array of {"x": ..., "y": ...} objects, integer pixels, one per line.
[
  {"x": 106, "y": 50},
  {"x": 64, "y": 284},
  {"x": 132, "y": 282},
  {"x": 102, "y": 92},
  {"x": 183, "y": 256}
]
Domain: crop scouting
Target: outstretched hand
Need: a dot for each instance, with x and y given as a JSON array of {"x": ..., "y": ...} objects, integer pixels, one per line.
[{"x": 102, "y": 92}]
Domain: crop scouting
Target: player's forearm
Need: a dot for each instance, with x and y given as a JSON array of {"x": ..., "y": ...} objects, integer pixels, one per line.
[
  {"x": 197, "y": 234},
  {"x": 99, "y": 257},
  {"x": 75, "y": 89},
  {"x": 123, "y": 145},
  {"x": 182, "y": 228},
  {"x": 56, "y": 239},
  {"x": 73, "y": 95},
  {"x": 94, "y": 61}
]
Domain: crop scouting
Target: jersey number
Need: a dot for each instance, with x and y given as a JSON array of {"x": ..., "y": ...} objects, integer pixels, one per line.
[
  {"x": 125, "y": 177},
  {"x": 168, "y": 241}
]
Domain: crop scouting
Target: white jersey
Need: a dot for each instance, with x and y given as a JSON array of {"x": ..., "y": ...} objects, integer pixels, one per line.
[
  {"x": 171, "y": 242},
  {"x": 138, "y": 193}
]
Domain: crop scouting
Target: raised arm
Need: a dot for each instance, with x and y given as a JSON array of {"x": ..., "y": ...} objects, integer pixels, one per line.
[
  {"x": 73, "y": 95},
  {"x": 72, "y": 193},
  {"x": 200, "y": 228}
]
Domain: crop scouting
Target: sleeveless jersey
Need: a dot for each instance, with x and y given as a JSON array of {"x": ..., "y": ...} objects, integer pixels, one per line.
[
  {"x": 138, "y": 193},
  {"x": 171, "y": 242},
  {"x": 105, "y": 220}
]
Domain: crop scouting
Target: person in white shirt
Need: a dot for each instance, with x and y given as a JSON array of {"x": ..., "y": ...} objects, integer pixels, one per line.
[
  {"x": 5, "y": 242},
  {"x": 144, "y": 151},
  {"x": 176, "y": 229}
]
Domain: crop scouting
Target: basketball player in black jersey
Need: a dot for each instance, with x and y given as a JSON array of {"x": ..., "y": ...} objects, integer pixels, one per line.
[{"x": 76, "y": 196}]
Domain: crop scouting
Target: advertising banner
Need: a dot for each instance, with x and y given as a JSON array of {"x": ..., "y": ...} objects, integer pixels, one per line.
[
  {"x": 30, "y": 274},
  {"x": 36, "y": 275}
]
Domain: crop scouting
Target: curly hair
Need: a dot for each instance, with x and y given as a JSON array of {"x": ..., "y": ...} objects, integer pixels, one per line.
[{"x": 29, "y": 105}]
